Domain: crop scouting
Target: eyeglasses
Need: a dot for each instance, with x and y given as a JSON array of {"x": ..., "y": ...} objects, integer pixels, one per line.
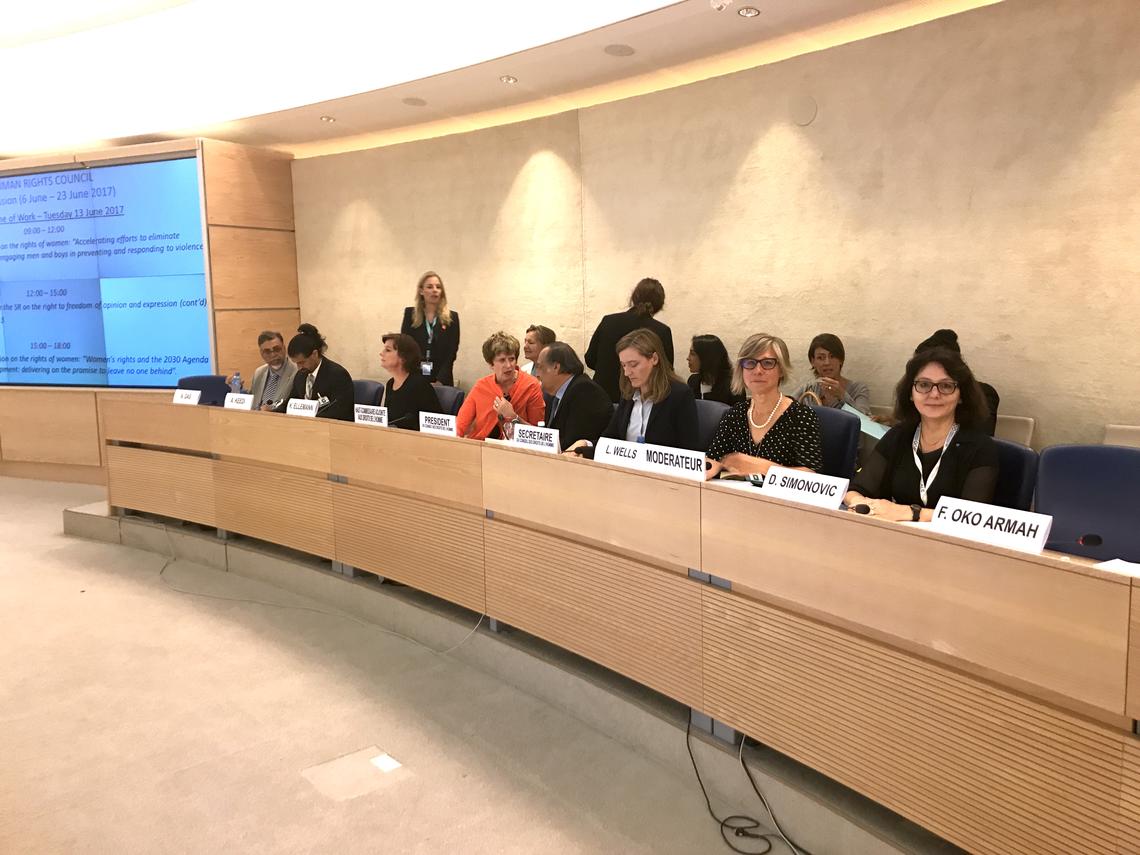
[
  {"x": 944, "y": 387},
  {"x": 767, "y": 363}
]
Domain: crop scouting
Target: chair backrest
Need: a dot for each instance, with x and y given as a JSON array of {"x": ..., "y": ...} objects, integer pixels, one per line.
[
  {"x": 1017, "y": 429},
  {"x": 709, "y": 414},
  {"x": 1091, "y": 489},
  {"x": 882, "y": 409},
  {"x": 450, "y": 398},
  {"x": 840, "y": 441},
  {"x": 1127, "y": 435},
  {"x": 212, "y": 386},
  {"x": 1017, "y": 475},
  {"x": 367, "y": 392}
]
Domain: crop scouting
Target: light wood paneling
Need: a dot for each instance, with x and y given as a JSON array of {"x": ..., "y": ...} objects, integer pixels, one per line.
[
  {"x": 274, "y": 438},
  {"x": 1132, "y": 705},
  {"x": 1065, "y": 632},
  {"x": 657, "y": 517},
  {"x": 281, "y": 507},
  {"x": 377, "y": 531},
  {"x": 164, "y": 483},
  {"x": 156, "y": 423},
  {"x": 434, "y": 466},
  {"x": 49, "y": 426},
  {"x": 247, "y": 186},
  {"x": 55, "y": 472},
  {"x": 102, "y": 398},
  {"x": 987, "y": 769},
  {"x": 252, "y": 268},
  {"x": 638, "y": 620},
  {"x": 236, "y": 334},
  {"x": 1130, "y": 800}
]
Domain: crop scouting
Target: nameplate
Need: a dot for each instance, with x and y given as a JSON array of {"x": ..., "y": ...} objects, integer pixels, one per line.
[
  {"x": 363, "y": 414},
  {"x": 807, "y": 488},
  {"x": 537, "y": 438},
  {"x": 437, "y": 423},
  {"x": 302, "y": 407},
  {"x": 1020, "y": 530},
  {"x": 187, "y": 396},
  {"x": 659, "y": 459},
  {"x": 238, "y": 401}
]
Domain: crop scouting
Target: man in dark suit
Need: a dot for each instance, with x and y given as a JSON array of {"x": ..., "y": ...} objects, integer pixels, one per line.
[
  {"x": 578, "y": 408},
  {"x": 319, "y": 377}
]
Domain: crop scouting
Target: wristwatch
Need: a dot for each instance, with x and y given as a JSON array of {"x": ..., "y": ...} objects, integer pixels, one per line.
[{"x": 915, "y": 511}]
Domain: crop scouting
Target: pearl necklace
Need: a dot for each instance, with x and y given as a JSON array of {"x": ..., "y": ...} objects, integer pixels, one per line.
[{"x": 752, "y": 422}]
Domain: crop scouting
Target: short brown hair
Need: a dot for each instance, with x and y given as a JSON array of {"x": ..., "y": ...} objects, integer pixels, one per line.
[
  {"x": 407, "y": 348},
  {"x": 646, "y": 342},
  {"x": 545, "y": 335},
  {"x": 829, "y": 342},
  {"x": 648, "y": 298},
  {"x": 500, "y": 342},
  {"x": 755, "y": 344},
  {"x": 972, "y": 410}
]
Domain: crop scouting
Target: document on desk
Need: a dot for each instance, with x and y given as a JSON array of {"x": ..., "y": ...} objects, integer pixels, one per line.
[
  {"x": 1119, "y": 565},
  {"x": 866, "y": 424}
]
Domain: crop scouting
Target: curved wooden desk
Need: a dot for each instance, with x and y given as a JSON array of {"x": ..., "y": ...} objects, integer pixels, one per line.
[{"x": 987, "y": 695}]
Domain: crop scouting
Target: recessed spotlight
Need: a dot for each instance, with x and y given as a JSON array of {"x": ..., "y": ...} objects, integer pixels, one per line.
[
  {"x": 508, "y": 78},
  {"x": 329, "y": 119},
  {"x": 415, "y": 102},
  {"x": 747, "y": 11},
  {"x": 619, "y": 50}
]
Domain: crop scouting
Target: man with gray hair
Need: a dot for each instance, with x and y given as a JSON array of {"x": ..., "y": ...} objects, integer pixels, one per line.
[
  {"x": 273, "y": 380},
  {"x": 577, "y": 407}
]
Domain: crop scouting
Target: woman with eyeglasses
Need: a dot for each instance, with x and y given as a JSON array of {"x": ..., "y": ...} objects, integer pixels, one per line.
[
  {"x": 938, "y": 448},
  {"x": 769, "y": 429}
]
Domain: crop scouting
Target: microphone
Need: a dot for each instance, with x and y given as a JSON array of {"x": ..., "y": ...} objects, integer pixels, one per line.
[
  {"x": 862, "y": 509},
  {"x": 1089, "y": 540},
  {"x": 404, "y": 417}
]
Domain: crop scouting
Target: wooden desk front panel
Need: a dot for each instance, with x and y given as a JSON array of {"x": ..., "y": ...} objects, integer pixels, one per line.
[
  {"x": 287, "y": 508},
  {"x": 987, "y": 769},
  {"x": 159, "y": 423},
  {"x": 1132, "y": 705},
  {"x": 433, "y": 548},
  {"x": 1130, "y": 800},
  {"x": 1060, "y": 630},
  {"x": 635, "y": 619},
  {"x": 48, "y": 426},
  {"x": 295, "y": 441},
  {"x": 433, "y": 466},
  {"x": 653, "y": 516},
  {"x": 161, "y": 482}
]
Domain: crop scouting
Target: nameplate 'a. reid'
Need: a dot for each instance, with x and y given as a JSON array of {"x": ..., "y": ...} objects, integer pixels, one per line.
[
  {"x": 1012, "y": 529},
  {"x": 437, "y": 423},
  {"x": 364, "y": 414},
  {"x": 187, "y": 396},
  {"x": 537, "y": 438},
  {"x": 238, "y": 401},
  {"x": 807, "y": 488},
  {"x": 302, "y": 407},
  {"x": 659, "y": 459}
]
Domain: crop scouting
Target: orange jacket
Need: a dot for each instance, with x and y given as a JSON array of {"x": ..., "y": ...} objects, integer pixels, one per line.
[{"x": 478, "y": 415}]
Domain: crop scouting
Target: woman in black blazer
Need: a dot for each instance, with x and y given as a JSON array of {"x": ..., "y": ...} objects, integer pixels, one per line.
[
  {"x": 435, "y": 328},
  {"x": 331, "y": 381},
  {"x": 647, "y": 299},
  {"x": 407, "y": 392},
  {"x": 711, "y": 379}
]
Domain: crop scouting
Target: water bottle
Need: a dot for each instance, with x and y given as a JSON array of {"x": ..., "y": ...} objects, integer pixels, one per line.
[{"x": 235, "y": 384}]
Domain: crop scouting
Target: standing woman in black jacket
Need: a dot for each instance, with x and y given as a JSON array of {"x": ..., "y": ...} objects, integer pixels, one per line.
[
  {"x": 647, "y": 299},
  {"x": 435, "y": 328}
]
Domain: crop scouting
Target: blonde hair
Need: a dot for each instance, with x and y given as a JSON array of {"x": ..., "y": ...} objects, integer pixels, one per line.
[
  {"x": 753, "y": 346},
  {"x": 418, "y": 313},
  {"x": 647, "y": 343},
  {"x": 500, "y": 342}
]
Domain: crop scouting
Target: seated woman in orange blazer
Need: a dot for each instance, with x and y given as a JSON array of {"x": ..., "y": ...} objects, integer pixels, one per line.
[{"x": 502, "y": 398}]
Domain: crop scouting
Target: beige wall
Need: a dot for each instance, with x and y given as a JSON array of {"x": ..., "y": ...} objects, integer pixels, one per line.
[{"x": 977, "y": 172}]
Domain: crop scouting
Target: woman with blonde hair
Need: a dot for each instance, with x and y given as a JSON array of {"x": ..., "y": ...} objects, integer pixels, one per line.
[
  {"x": 435, "y": 328},
  {"x": 769, "y": 429}
]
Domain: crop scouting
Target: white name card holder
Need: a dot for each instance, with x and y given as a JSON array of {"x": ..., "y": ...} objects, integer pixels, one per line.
[
  {"x": 188, "y": 397},
  {"x": 536, "y": 438},
  {"x": 1005, "y": 527},
  {"x": 238, "y": 401},
  {"x": 659, "y": 459},
  {"x": 807, "y": 488},
  {"x": 302, "y": 407},
  {"x": 440, "y": 424},
  {"x": 363, "y": 414}
]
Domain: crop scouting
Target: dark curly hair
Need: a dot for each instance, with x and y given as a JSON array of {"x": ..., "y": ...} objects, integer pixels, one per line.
[{"x": 972, "y": 410}]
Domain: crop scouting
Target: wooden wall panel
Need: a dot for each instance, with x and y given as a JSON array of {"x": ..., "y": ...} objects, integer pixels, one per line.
[
  {"x": 236, "y": 332},
  {"x": 281, "y": 507},
  {"x": 987, "y": 769},
  {"x": 164, "y": 483},
  {"x": 54, "y": 472},
  {"x": 253, "y": 267},
  {"x": 638, "y": 620},
  {"x": 273, "y": 438},
  {"x": 247, "y": 186},
  {"x": 660, "y": 517},
  {"x": 374, "y": 532},
  {"x": 49, "y": 426},
  {"x": 1132, "y": 703},
  {"x": 1064, "y": 631},
  {"x": 150, "y": 422}
]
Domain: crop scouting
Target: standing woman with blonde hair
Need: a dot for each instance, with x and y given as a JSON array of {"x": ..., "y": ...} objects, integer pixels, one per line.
[{"x": 435, "y": 328}]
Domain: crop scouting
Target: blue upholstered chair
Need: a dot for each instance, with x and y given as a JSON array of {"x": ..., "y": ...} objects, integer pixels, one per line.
[
  {"x": 212, "y": 386},
  {"x": 1017, "y": 475},
  {"x": 1092, "y": 490},
  {"x": 709, "y": 414},
  {"x": 840, "y": 441},
  {"x": 367, "y": 392},
  {"x": 450, "y": 398}
]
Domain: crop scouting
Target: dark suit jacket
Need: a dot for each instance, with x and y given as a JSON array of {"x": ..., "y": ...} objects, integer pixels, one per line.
[
  {"x": 583, "y": 412},
  {"x": 444, "y": 346},
  {"x": 600, "y": 355},
  {"x": 721, "y": 395},
  {"x": 334, "y": 382},
  {"x": 672, "y": 422}
]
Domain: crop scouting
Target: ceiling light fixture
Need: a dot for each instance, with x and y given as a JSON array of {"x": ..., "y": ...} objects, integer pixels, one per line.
[
  {"x": 747, "y": 11},
  {"x": 328, "y": 119},
  {"x": 415, "y": 102},
  {"x": 507, "y": 78},
  {"x": 619, "y": 50}
]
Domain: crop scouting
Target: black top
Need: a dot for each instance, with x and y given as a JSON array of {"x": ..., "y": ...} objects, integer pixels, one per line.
[
  {"x": 405, "y": 404},
  {"x": 334, "y": 383},
  {"x": 720, "y": 392},
  {"x": 672, "y": 421},
  {"x": 602, "y": 357},
  {"x": 583, "y": 413},
  {"x": 443, "y": 349},
  {"x": 795, "y": 439},
  {"x": 969, "y": 469}
]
